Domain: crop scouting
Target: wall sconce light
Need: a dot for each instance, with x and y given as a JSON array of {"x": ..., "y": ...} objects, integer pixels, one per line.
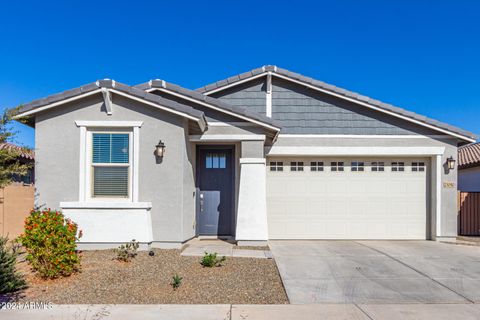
[
  {"x": 451, "y": 163},
  {"x": 160, "y": 149}
]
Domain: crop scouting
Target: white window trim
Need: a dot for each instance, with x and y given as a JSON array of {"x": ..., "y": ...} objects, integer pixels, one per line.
[
  {"x": 86, "y": 130},
  {"x": 89, "y": 168}
]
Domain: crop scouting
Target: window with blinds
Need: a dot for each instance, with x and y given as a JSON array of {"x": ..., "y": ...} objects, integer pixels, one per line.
[{"x": 110, "y": 164}]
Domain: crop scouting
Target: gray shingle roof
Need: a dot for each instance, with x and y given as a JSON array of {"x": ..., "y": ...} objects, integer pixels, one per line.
[
  {"x": 349, "y": 94},
  {"x": 107, "y": 83},
  {"x": 161, "y": 84}
]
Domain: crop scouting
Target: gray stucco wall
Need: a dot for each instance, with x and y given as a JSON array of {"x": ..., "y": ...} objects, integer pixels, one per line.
[
  {"x": 469, "y": 179},
  {"x": 168, "y": 185}
]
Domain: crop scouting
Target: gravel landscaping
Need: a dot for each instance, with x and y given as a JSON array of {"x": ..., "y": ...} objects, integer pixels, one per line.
[{"x": 146, "y": 280}]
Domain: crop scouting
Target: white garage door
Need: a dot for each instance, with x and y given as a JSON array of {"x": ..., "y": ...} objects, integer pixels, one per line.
[{"x": 334, "y": 198}]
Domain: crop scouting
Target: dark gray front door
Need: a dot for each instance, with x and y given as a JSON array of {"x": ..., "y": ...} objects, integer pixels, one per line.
[{"x": 215, "y": 181}]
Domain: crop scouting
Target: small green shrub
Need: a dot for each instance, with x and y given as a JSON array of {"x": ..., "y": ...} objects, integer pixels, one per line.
[
  {"x": 176, "y": 281},
  {"x": 211, "y": 260},
  {"x": 49, "y": 240},
  {"x": 10, "y": 279},
  {"x": 126, "y": 252}
]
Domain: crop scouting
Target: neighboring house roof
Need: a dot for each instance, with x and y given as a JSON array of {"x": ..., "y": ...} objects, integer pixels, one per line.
[
  {"x": 469, "y": 156},
  {"x": 210, "y": 102},
  {"x": 339, "y": 92},
  {"x": 115, "y": 87},
  {"x": 23, "y": 152}
]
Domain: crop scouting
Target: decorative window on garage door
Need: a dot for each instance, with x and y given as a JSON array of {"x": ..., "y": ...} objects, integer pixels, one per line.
[
  {"x": 378, "y": 166},
  {"x": 418, "y": 166},
  {"x": 276, "y": 166},
  {"x": 296, "y": 166},
  {"x": 336, "y": 166},
  {"x": 316, "y": 166},
  {"x": 357, "y": 166},
  {"x": 398, "y": 166}
]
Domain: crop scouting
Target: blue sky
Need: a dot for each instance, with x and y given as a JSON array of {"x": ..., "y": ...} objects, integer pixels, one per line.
[{"x": 420, "y": 55}]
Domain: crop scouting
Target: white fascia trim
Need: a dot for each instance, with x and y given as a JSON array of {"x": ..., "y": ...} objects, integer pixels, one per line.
[
  {"x": 108, "y": 124},
  {"x": 227, "y": 137},
  {"x": 230, "y": 124},
  {"x": 354, "y": 151},
  {"x": 235, "y": 83},
  {"x": 156, "y": 105},
  {"x": 217, "y": 108},
  {"x": 51, "y": 105},
  {"x": 252, "y": 160},
  {"x": 361, "y": 136},
  {"x": 105, "y": 205},
  {"x": 375, "y": 108}
]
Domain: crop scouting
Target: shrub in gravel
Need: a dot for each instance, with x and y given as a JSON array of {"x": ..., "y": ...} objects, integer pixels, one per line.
[
  {"x": 10, "y": 279},
  {"x": 127, "y": 251},
  {"x": 49, "y": 240},
  {"x": 176, "y": 281},
  {"x": 211, "y": 260}
]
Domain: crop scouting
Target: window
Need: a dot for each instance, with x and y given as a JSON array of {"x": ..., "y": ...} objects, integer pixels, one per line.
[
  {"x": 276, "y": 166},
  {"x": 316, "y": 166},
  {"x": 296, "y": 166},
  {"x": 216, "y": 161},
  {"x": 357, "y": 166},
  {"x": 336, "y": 166},
  {"x": 110, "y": 164},
  {"x": 398, "y": 166},
  {"x": 378, "y": 166},
  {"x": 418, "y": 166}
]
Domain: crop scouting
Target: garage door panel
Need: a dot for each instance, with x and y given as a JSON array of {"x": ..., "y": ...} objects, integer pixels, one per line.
[{"x": 348, "y": 204}]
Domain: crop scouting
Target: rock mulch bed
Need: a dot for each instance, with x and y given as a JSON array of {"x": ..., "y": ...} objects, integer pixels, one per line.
[{"x": 146, "y": 280}]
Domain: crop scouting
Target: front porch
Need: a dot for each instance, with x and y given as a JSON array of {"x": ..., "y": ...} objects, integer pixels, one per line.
[{"x": 230, "y": 181}]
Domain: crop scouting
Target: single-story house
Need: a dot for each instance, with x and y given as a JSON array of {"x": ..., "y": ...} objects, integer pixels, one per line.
[
  {"x": 469, "y": 168},
  {"x": 266, "y": 154}
]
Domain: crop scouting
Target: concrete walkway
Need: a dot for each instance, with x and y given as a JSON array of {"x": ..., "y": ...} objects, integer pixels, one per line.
[
  {"x": 378, "y": 272},
  {"x": 250, "y": 312},
  {"x": 197, "y": 247}
]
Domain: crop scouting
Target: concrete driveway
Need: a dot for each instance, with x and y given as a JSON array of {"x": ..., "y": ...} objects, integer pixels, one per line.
[{"x": 378, "y": 272}]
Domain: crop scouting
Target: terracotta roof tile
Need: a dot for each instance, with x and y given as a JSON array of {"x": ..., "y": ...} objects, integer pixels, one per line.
[
  {"x": 24, "y": 152},
  {"x": 469, "y": 155}
]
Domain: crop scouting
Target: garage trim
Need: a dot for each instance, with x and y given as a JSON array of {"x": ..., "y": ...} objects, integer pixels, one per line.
[{"x": 354, "y": 151}]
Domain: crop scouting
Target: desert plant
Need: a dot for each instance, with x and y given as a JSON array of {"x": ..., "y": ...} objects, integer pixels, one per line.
[
  {"x": 126, "y": 252},
  {"x": 176, "y": 281},
  {"x": 211, "y": 260},
  {"x": 49, "y": 240},
  {"x": 10, "y": 279}
]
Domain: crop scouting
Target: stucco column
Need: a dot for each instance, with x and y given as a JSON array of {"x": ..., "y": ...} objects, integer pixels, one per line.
[{"x": 252, "y": 202}]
